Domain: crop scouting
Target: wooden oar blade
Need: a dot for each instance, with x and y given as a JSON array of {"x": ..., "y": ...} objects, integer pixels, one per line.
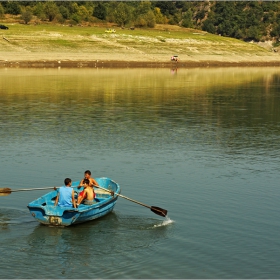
[
  {"x": 159, "y": 211},
  {"x": 5, "y": 191}
]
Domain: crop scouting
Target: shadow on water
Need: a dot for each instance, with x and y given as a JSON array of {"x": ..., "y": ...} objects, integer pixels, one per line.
[
  {"x": 74, "y": 251},
  {"x": 114, "y": 233},
  {"x": 105, "y": 241}
]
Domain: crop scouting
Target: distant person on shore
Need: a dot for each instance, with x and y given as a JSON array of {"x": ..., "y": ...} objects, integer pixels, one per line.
[
  {"x": 87, "y": 195},
  {"x": 65, "y": 196}
]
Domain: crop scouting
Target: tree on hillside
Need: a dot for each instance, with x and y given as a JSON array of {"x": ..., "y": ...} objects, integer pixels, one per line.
[
  {"x": 142, "y": 8},
  {"x": 187, "y": 20},
  {"x": 122, "y": 14},
  {"x": 275, "y": 32},
  {"x": 84, "y": 13},
  {"x": 13, "y": 8},
  {"x": 226, "y": 28},
  {"x": 270, "y": 6},
  {"x": 209, "y": 26},
  {"x": 200, "y": 15},
  {"x": 150, "y": 19},
  {"x": 2, "y": 12},
  {"x": 143, "y": 14},
  {"x": 252, "y": 18},
  {"x": 73, "y": 8},
  {"x": 167, "y": 7},
  {"x": 184, "y": 5},
  {"x": 26, "y": 15},
  {"x": 159, "y": 17},
  {"x": 64, "y": 11},
  {"x": 253, "y": 33},
  {"x": 51, "y": 10},
  {"x": 238, "y": 33},
  {"x": 100, "y": 11},
  {"x": 38, "y": 11}
]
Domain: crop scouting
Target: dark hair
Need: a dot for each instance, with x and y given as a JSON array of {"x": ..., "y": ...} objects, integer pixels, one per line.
[
  {"x": 67, "y": 181},
  {"x": 86, "y": 181},
  {"x": 88, "y": 172}
]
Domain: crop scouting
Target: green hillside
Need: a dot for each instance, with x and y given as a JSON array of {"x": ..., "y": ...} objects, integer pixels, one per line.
[{"x": 245, "y": 20}]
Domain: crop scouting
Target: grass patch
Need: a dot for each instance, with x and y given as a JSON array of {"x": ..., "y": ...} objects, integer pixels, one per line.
[{"x": 90, "y": 40}]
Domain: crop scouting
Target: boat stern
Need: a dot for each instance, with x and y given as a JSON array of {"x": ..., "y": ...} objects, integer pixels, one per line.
[{"x": 54, "y": 216}]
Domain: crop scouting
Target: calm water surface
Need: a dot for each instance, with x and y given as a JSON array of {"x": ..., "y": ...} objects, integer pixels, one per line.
[{"x": 202, "y": 143}]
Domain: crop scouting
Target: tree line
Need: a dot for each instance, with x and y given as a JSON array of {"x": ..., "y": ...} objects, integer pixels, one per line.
[{"x": 246, "y": 20}]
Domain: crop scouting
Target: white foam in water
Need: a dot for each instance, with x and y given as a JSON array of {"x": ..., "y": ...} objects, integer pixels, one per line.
[{"x": 166, "y": 222}]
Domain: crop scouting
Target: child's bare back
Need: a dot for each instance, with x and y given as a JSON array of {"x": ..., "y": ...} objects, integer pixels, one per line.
[{"x": 89, "y": 194}]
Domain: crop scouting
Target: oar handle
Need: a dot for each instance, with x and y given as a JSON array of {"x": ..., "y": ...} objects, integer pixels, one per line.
[
  {"x": 21, "y": 190},
  {"x": 157, "y": 210},
  {"x": 140, "y": 203},
  {"x": 33, "y": 189}
]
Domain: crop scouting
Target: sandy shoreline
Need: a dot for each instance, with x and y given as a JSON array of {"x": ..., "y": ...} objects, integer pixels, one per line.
[
  {"x": 131, "y": 59},
  {"x": 132, "y": 64}
]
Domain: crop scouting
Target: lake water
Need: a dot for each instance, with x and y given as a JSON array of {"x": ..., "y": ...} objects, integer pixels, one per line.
[{"x": 202, "y": 143}]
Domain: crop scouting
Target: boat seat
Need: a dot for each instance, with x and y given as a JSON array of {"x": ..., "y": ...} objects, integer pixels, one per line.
[{"x": 100, "y": 191}]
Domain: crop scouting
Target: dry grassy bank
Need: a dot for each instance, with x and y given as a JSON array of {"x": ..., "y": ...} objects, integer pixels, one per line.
[{"x": 90, "y": 45}]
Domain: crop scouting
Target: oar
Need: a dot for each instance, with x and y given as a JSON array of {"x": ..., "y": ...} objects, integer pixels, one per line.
[
  {"x": 8, "y": 191},
  {"x": 157, "y": 210}
]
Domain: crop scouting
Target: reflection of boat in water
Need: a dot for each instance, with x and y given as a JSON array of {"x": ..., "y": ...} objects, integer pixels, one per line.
[{"x": 44, "y": 211}]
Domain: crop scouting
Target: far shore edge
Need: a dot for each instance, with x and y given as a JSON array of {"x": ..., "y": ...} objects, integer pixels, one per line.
[{"x": 131, "y": 64}]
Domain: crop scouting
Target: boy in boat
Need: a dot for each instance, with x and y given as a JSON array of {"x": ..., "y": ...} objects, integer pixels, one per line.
[
  {"x": 65, "y": 196},
  {"x": 92, "y": 182},
  {"x": 87, "y": 195}
]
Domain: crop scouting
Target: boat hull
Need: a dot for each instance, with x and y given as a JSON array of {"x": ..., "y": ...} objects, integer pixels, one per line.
[{"x": 44, "y": 211}]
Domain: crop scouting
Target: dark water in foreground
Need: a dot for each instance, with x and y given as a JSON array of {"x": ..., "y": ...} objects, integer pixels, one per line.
[{"x": 202, "y": 143}]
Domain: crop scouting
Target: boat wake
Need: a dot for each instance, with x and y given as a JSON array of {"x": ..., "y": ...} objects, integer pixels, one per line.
[
  {"x": 13, "y": 216},
  {"x": 166, "y": 222}
]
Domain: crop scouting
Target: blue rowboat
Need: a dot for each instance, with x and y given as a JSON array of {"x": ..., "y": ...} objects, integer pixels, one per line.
[{"x": 44, "y": 211}]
